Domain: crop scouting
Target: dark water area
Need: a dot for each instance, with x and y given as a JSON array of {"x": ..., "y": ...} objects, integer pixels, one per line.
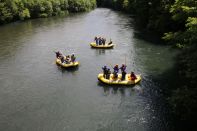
[{"x": 37, "y": 95}]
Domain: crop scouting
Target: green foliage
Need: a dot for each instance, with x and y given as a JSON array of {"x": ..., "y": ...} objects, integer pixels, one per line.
[
  {"x": 184, "y": 13},
  {"x": 81, "y": 5},
  {"x": 24, "y": 14},
  {"x": 152, "y": 14},
  {"x": 5, "y": 13},
  {"x": 184, "y": 100},
  {"x": 177, "y": 20},
  {"x": 11, "y": 10}
]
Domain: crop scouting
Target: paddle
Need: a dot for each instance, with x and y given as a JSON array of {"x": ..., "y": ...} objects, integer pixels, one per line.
[{"x": 125, "y": 60}]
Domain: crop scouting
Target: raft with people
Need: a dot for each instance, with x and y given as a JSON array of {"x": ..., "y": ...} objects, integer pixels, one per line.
[
  {"x": 94, "y": 45},
  {"x": 66, "y": 61},
  {"x": 66, "y": 65},
  {"x": 101, "y": 43},
  {"x": 118, "y": 79}
]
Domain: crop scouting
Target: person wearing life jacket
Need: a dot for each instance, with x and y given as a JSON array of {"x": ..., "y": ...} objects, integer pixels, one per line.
[
  {"x": 58, "y": 54},
  {"x": 116, "y": 70},
  {"x": 67, "y": 59},
  {"x": 100, "y": 41},
  {"x": 104, "y": 71},
  {"x": 104, "y": 40},
  {"x": 115, "y": 75},
  {"x": 73, "y": 58},
  {"x": 123, "y": 75},
  {"x": 62, "y": 59},
  {"x": 133, "y": 76},
  {"x": 108, "y": 74},
  {"x": 123, "y": 67},
  {"x": 96, "y": 40}
]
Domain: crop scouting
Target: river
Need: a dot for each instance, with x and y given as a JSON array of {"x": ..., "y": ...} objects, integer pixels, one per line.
[{"x": 37, "y": 95}]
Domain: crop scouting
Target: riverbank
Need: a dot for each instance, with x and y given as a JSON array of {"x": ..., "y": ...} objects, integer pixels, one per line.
[{"x": 21, "y": 10}]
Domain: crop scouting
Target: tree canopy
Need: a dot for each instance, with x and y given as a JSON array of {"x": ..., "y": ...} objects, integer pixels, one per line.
[{"x": 11, "y": 10}]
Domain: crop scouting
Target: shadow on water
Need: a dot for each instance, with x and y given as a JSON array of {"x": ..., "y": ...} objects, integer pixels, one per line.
[
  {"x": 169, "y": 81},
  {"x": 144, "y": 34},
  {"x": 160, "y": 94},
  {"x": 114, "y": 89},
  {"x": 101, "y": 51},
  {"x": 149, "y": 37},
  {"x": 69, "y": 70}
]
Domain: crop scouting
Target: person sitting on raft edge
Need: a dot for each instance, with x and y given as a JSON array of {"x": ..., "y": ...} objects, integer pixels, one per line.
[
  {"x": 58, "y": 54},
  {"x": 133, "y": 76},
  {"x": 73, "y": 58},
  {"x": 67, "y": 59},
  {"x": 110, "y": 42},
  {"x": 62, "y": 59}
]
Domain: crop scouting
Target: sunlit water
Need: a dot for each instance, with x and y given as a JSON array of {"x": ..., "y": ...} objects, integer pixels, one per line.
[{"x": 37, "y": 95}]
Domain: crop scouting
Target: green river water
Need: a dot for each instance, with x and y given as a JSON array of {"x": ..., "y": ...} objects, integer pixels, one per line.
[{"x": 37, "y": 95}]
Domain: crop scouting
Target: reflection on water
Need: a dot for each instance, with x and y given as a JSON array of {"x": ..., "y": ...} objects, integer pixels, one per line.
[
  {"x": 100, "y": 51},
  {"x": 36, "y": 94},
  {"x": 123, "y": 90},
  {"x": 70, "y": 69}
]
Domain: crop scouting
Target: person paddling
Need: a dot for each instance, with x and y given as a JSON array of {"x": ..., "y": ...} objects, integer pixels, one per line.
[
  {"x": 123, "y": 67},
  {"x": 123, "y": 70},
  {"x": 116, "y": 70}
]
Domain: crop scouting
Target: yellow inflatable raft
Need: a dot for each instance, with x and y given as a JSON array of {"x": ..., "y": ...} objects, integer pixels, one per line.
[
  {"x": 118, "y": 81},
  {"x": 71, "y": 64},
  {"x": 93, "y": 44}
]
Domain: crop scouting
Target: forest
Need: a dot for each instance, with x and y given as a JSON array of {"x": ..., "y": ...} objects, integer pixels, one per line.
[
  {"x": 174, "y": 20},
  {"x": 12, "y": 10}
]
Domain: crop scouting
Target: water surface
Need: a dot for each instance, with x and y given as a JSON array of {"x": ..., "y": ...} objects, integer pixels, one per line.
[{"x": 37, "y": 95}]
